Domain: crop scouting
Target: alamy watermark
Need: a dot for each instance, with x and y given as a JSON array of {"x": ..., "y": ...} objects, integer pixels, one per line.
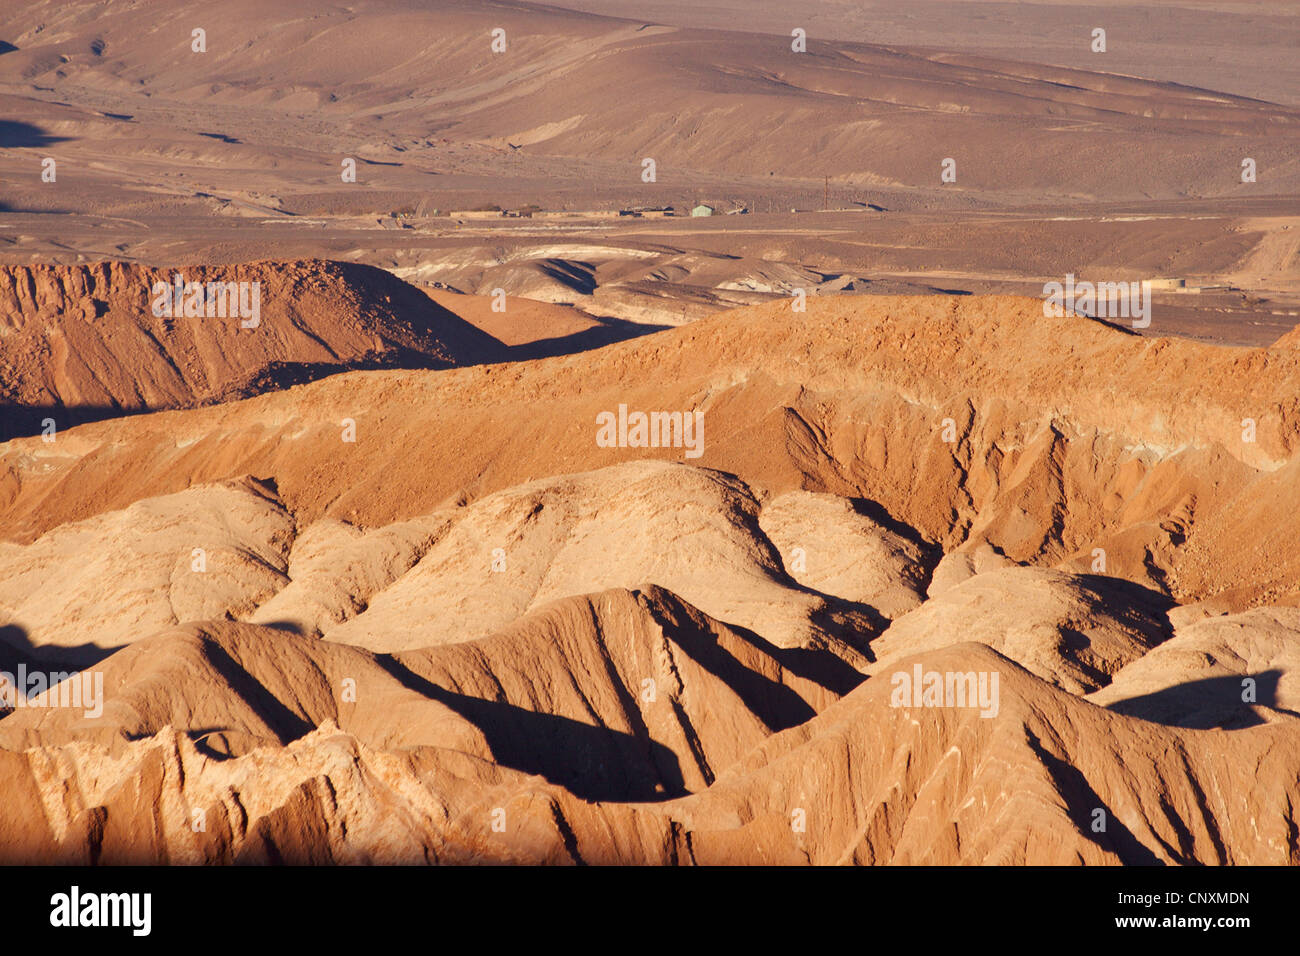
[
  {"x": 133, "y": 911},
  {"x": 922, "y": 688},
  {"x": 651, "y": 430},
  {"x": 195, "y": 300},
  {"x": 1102, "y": 300},
  {"x": 24, "y": 689}
]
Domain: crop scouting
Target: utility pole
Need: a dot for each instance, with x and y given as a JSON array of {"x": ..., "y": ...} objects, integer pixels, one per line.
[{"x": 826, "y": 195}]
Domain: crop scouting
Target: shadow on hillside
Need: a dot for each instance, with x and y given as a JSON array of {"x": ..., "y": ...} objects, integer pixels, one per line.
[
  {"x": 16, "y": 134},
  {"x": 1082, "y": 802},
  {"x": 432, "y": 338},
  {"x": 1214, "y": 702},
  {"x": 826, "y": 670},
  {"x": 1122, "y": 593},
  {"x": 286, "y": 724},
  {"x": 607, "y": 333},
  {"x": 17, "y": 650},
  {"x": 777, "y": 705},
  {"x": 593, "y": 763},
  {"x": 32, "y": 211},
  {"x": 27, "y": 421}
]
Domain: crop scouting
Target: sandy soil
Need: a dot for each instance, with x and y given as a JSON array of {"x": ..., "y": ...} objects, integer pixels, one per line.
[{"x": 525, "y": 524}]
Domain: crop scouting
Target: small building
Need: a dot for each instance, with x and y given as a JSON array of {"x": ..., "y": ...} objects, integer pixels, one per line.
[
  {"x": 702, "y": 210},
  {"x": 647, "y": 212}
]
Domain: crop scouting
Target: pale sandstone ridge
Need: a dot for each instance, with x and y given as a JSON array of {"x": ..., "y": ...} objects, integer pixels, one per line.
[
  {"x": 1071, "y": 631},
  {"x": 90, "y": 586},
  {"x": 693, "y": 531},
  {"x": 476, "y": 635},
  {"x": 79, "y": 341},
  {"x": 231, "y": 550},
  {"x": 1073, "y": 442},
  {"x": 1231, "y": 671},
  {"x": 829, "y": 544},
  {"x": 239, "y": 687},
  {"x": 1025, "y": 786}
]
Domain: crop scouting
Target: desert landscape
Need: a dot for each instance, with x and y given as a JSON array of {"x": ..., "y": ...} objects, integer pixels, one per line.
[{"x": 476, "y": 432}]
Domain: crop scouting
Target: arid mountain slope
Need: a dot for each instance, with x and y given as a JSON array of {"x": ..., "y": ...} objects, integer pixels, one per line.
[
  {"x": 1230, "y": 671},
  {"x": 89, "y": 587},
  {"x": 1024, "y": 786},
  {"x": 722, "y": 103},
  {"x": 659, "y": 698},
  {"x": 1066, "y": 442},
  {"x": 79, "y": 342},
  {"x": 232, "y": 551},
  {"x": 1049, "y": 779},
  {"x": 1073, "y": 632},
  {"x": 477, "y": 633},
  {"x": 443, "y": 516}
]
